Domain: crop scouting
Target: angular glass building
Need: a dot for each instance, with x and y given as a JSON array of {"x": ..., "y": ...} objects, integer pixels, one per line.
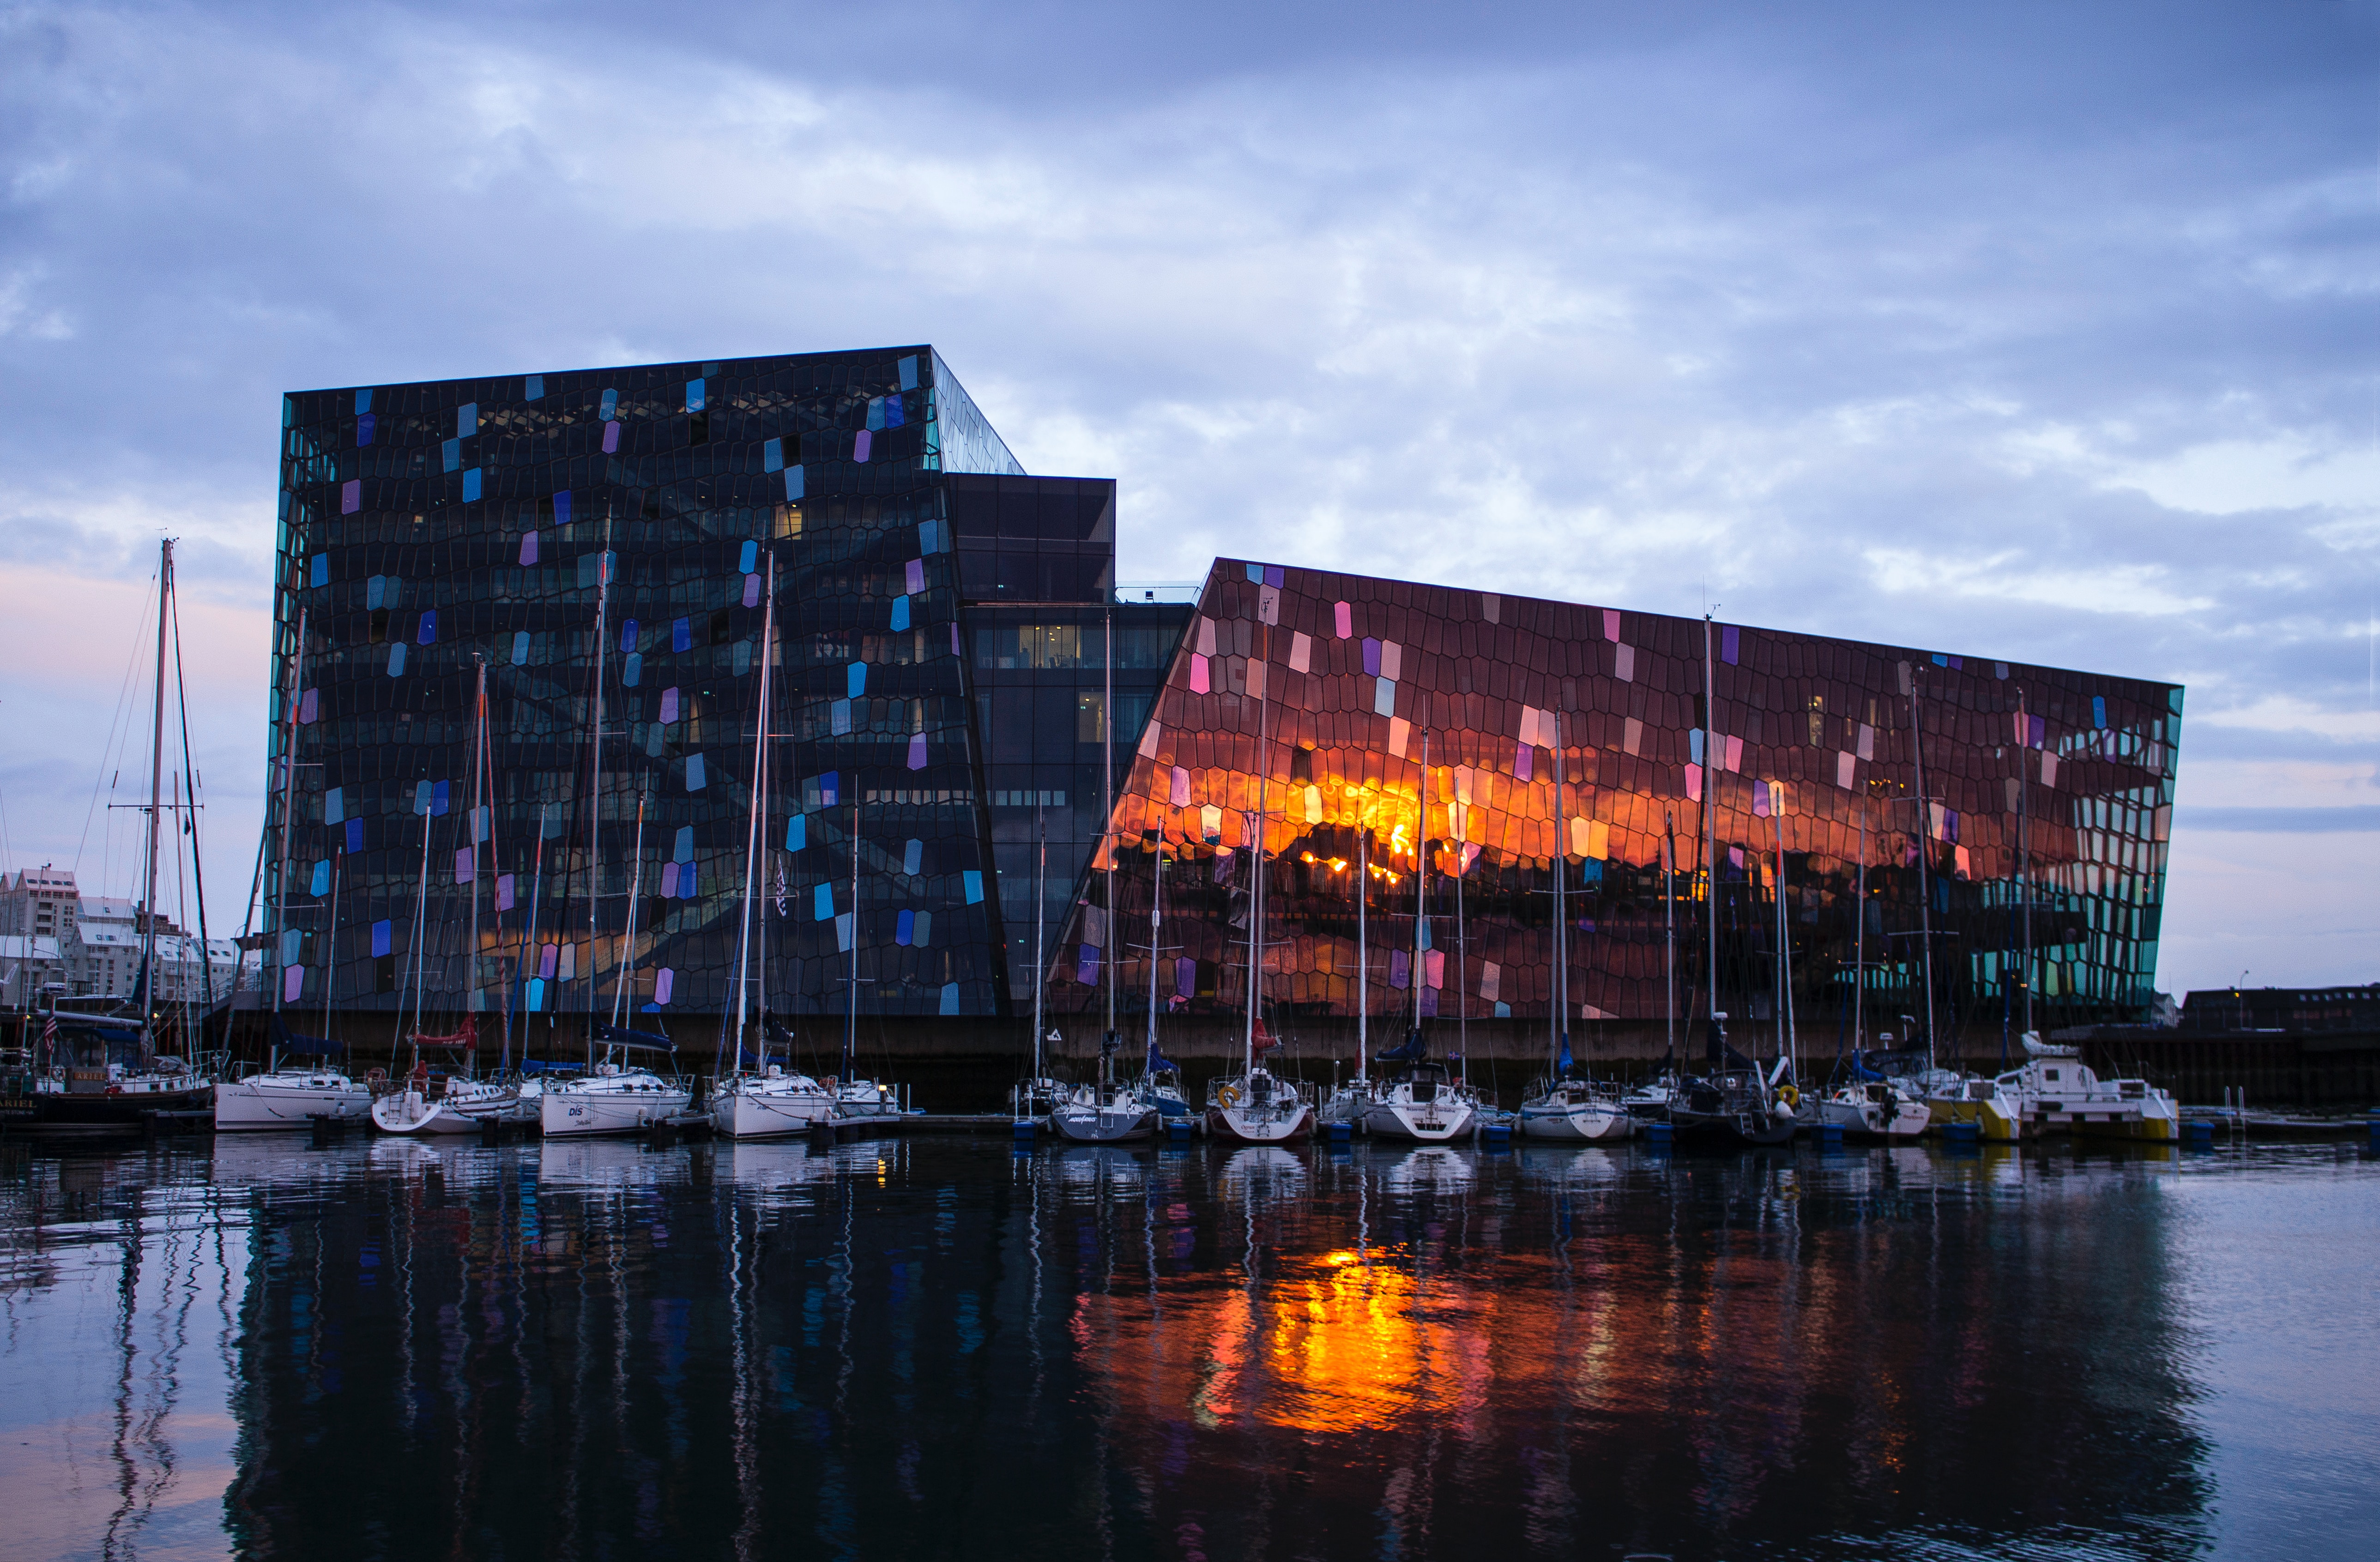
[
  {"x": 1405, "y": 745},
  {"x": 602, "y": 547},
  {"x": 959, "y": 700}
]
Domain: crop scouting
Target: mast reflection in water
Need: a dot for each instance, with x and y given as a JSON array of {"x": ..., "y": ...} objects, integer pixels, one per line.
[{"x": 936, "y": 1349}]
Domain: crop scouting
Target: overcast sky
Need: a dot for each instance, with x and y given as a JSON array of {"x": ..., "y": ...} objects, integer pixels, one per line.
[{"x": 2039, "y": 332}]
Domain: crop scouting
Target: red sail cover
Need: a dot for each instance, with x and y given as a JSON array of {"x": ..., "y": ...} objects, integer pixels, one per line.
[
  {"x": 1265, "y": 1040},
  {"x": 468, "y": 1036}
]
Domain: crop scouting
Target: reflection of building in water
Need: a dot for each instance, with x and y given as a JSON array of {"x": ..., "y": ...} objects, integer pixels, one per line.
[{"x": 903, "y": 1348}]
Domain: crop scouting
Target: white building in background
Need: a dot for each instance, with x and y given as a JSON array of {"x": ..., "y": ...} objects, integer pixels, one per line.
[
  {"x": 94, "y": 945},
  {"x": 40, "y": 902},
  {"x": 26, "y": 966}
]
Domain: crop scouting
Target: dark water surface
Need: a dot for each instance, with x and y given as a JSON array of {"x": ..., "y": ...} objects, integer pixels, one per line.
[{"x": 934, "y": 1347}]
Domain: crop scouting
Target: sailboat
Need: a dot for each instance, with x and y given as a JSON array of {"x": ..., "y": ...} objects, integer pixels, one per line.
[
  {"x": 1161, "y": 1077},
  {"x": 1873, "y": 1103},
  {"x": 1562, "y": 1107},
  {"x": 853, "y": 1096},
  {"x": 292, "y": 1095},
  {"x": 772, "y": 1102},
  {"x": 1106, "y": 1112},
  {"x": 1350, "y": 1099},
  {"x": 463, "y": 1102},
  {"x": 106, "y": 1072},
  {"x": 1733, "y": 1099},
  {"x": 1256, "y": 1106},
  {"x": 1649, "y": 1102},
  {"x": 1033, "y": 1098},
  {"x": 1423, "y": 1099},
  {"x": 615, "y": 1095}
]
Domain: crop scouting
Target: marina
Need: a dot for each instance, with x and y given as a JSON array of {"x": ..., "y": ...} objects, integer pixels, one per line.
[{"x": 935, "y": 1344}]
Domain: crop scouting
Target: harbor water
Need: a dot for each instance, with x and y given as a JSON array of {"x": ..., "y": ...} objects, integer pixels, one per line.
[{"x": 940, "y": 1347}]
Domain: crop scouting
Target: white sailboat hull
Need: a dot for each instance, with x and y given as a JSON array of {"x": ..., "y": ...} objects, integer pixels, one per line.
[
  {"x": 1268, "y": 1124},
  {"x": 762, "y": 1114},
  {"x": 568, "y": 1113},
  {"x": 1432, "y": 1123},
  {"x": 1580, "y": 1123},
  {"x": 263, "y": 1101},
  {"x": 409, "y": 1112},
  {"x": 1111, "y": 1124}
]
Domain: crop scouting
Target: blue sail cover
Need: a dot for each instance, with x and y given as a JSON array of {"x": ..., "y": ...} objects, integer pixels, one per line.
[
  {"x": 634, "y": 1041},
  {"x": 1159, "y": 1063},
  {"x": 297, "y": 1046},
  {"x": 1414, "y": 1050}
]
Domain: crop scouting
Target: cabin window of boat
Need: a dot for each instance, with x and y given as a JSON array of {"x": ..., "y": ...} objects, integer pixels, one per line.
[{"x": 2050, "y": 1074}]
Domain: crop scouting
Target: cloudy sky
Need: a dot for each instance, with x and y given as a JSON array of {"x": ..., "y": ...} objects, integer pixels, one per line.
[{"x": 2023, "y": 330}]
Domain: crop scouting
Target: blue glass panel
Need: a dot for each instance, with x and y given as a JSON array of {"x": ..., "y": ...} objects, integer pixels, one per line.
[
  {"x": 950, "y": 997},
  {"x": 829, "y": 789},
  {"x": 1727, "y": 645},
  {"x": 875, "y": 413},
  {"x": 694, "y": 772},
  {"x": 772, "y": 456},
  {"x": 396, "y": 660},
  {"x": 900, "y": 612},
  {"x": 422, "y": 793},
  {"x": 536, "y": 995},
  {"x": 973, "y": 882},
  {"x": 533, "y": 388},
  {"x": 376, "y": 591},
  {"x": 364, "y": 401},
  {"x": 798, "y": 832},
  {"x": 903, "y": 925},
  {"x": 823, "y": 903},
  {"x": 451, "y": 453},
  {"x": 633, "y": 672},
  {"x": 1255, "y": 573},
  {"x": 321, "y": 885},
  {"x": 855, "y": 677},
  {"x": 793, "y": 482},
  {"x": 913, "y": 855},
  {"x": 438, "y": 795},
  {"x": 471, "y": 486},
  {"x": 908, "y": 367},
  {"x": 628, "y": 634},
  {"x": 682, "y": 635},
  {"x": 365, "y": 427},
  {"x": 2098, "y": 712},
  {"x": 933, "y": 536},
  {"x": 562, "y": 508},
  {"x": 467, "y": 420},
  {"x": 683, "y": 850},
  {"x": 355, "y": 835},
  {"x": 380, "y": 945},
  {"x": 611, "y": 404},
  {"x": 520, "y": 648},
  {"x": 694, "y": 396},
  {"x": 335, "y": 806},
  {"x": 428, "y": 633},
  {"x": 321, "y": 576},
  {"x": 893, "y": 414},
  {"x": 750, "y": 558}
]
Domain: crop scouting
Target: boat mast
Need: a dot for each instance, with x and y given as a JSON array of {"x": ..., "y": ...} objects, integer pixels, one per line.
[
  {"x": 1859, "y": 944},
  {"x": 1421, "y": 880},
  {"x": 288, "y": 810},
  {"x": 156, "y": 800},
  {"x": 851, "y": 1005},
  {"x": 1560, "y": 1008},
  {"x": 330, "y": 965},
  {"x": 595, "y": 781},
  {"x": 1107, "y": 812},
  {"x": 1787, "y": 1039},
  {"x": 418, "y": 954},
  {"x": 628, "y": 926},
  {"x": 1257, "y": 838},
  {"x": 2023, "y": 860},
  {"x": 527, "y": 944},
  {"x": 1670, "y": 929},
  {"x": 1363, "y": 949},
  {"x": 471, "y": 834},
  {"x": 1711, "y": 821},
  {"x": 1041, "y": 920},
  {"x": 1924, "y": 867},
  {"x": 752, "y": 818},
  {"x": 1156, "y": 919}
]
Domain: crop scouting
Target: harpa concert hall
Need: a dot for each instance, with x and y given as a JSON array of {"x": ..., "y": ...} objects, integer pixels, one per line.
[{"x": 615, "y": 691}]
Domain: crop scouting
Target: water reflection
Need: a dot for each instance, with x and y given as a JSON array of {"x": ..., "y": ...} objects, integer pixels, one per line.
[{"x": 940, "y": 1349}]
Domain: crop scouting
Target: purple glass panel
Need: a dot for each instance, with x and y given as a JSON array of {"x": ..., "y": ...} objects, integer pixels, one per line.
[
  {"x": 860, "y": 444},
  {"x": 529, "y": 548},
  {"x": 751, "y": 590},
  {"x": 664, "y": 983},
  {"x": 917, "y": 752},
  {"x": 1371, "y": 657},
  {"x": 611, "y": 439}
]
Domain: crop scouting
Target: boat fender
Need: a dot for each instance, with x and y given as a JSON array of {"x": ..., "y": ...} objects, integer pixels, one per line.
[
  {"x": 1789, "y": 1095},
  {"x": 1229, "y": 1096}
]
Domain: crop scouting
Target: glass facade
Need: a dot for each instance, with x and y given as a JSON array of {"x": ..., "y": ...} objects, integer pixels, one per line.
[
  {"x": 602, "y": 544},
  {"x": 1297, "y": 712},
  {"x": 954, "y": 678}
]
